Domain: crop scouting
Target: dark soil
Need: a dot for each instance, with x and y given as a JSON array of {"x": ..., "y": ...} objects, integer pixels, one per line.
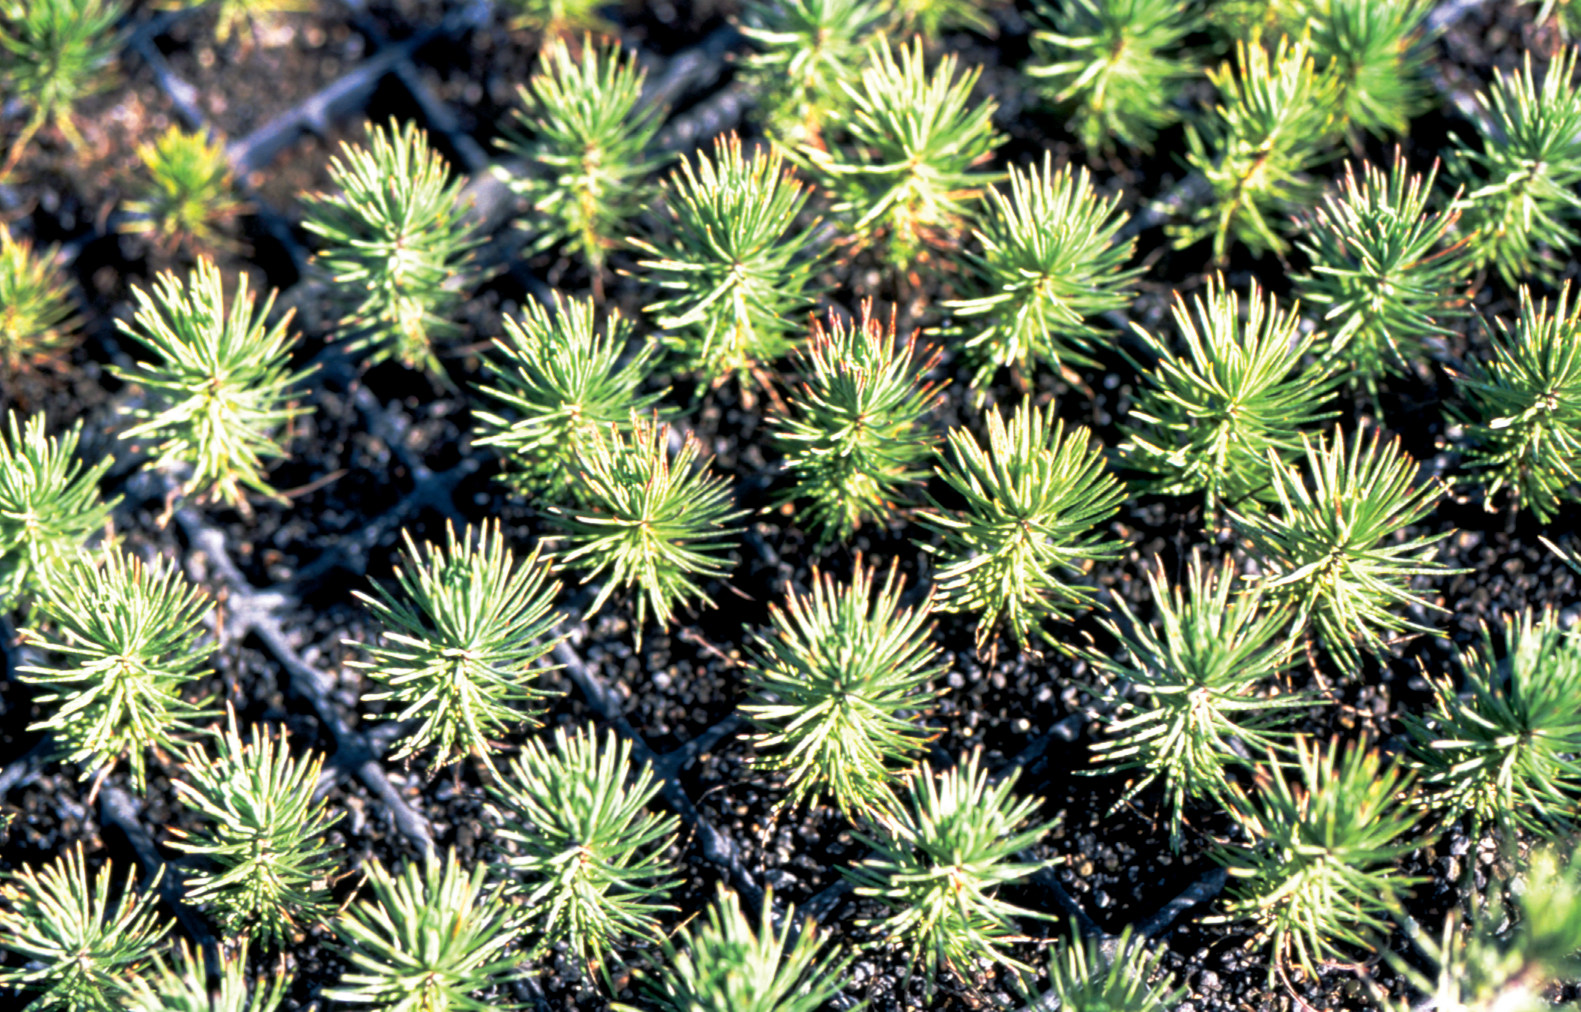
[{"x": 387, "y": 449}]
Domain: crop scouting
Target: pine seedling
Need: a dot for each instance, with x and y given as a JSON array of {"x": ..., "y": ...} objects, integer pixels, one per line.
[
  {"x": 1524, "y": 424},
  {"x": 56, "y": 53},
  {"x": 222, "y": 385},
  {"x": 79, "y": 947},
  {"x": 647, "y": 522},
  {"x": 838, "y": 681},
  {"x": 1219, "y": 419},
  {"x": 581, "y": 126},
  {"x": 466, "y": 631},
  {"x": 1330, "y": 552},
  {"x": 937, "y": 865},
  {"x": 1114, "y": 65},
  {"x": 930, "y": 19},
  {"x": 729, "y": 965},
  {"x": 186, "y": 196},
  {"x": 1384, "y": 275},
  {"x": 857, "y": 434},
  {"x": 562, "y": 378},
  {"x": 1082, "y": 978},
  {"x": 1032, "y": 500},
  {"x": 1256, "y": 147},
  {"x": 268, "y": 864},
  {"x": 431, "y": 939},
  {"x": 49, "y": 505},
  {"x": 905, "y": 179},
  {"x": 1374, "y": 51},
  {"x": 735, "y": 267},
  {"x": 586, "y": 856},
  {"x": 127, "y": 638},
  {"x": 1321, "y": 869},
  {"x": 1051, "y": 260},
  {"x": 37, "y": 321},
  {"x": 1200, "y": 674},
  {"x": 1522, "y": 205},
  {"x": 1503, "y": 749},
  {"x": 183, "y": 986},
  {"x": 396, "y": 241},
  {"x": 806, "y": 52}
]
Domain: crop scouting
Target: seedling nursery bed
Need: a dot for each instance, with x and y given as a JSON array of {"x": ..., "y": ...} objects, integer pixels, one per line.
[{"x": 1159, "y": 883}]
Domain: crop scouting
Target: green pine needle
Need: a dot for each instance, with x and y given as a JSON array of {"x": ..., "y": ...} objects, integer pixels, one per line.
[
  {"x": 465, "y": 635},
  {"x": 564, "y": 380},
  {"x": 938, "y": 863},
  {"x": 1115, "y": 65},
  {"x": 905, "y": 177},
  {"x": 582, "y": 128},
  {"x": 221, "y": 387},
  {"x": 1051, "y": 260},
  {"x": 806, "y": 51},
  {"x": 727, "y": 964},
  {"x": 1503, "y": 749},
  {"x": 1329, "y": 550},
  {"x": 268, "y": 863},
  {"x": 396, "y": 244},
  {"x": 587, "y": 856},
  {"x": 1032, "y": 500},
  {"x": 857, "y": 433},
  {"x": 49, "y": 505},
  {"x": 55, "y": 54},
  {"x": 837, "y": 682},
  {"x": 433, "y": 938},
  {"x": 735, "y": 266},
  {"x": 1321, "y": 870},
  {"x": 184, "y": 985},
  {"x": 1217, "y": 420},
  {"x": 1384, "y": 274},
  {"x": 186, "y": 196},
  {"x": 80, "y": 948},
  {"x": 1256, "y": 147},
  {"x": 1524, "y": 426},
  {"x": 1082, "y": 978},
  {"x": 1202, "y": 675},
  {"x": 1521, "y": 208},
  {"x": 38, "y": 323},
  {"x": 127, "y": 641},
  {"x": 648, "y": 522}
]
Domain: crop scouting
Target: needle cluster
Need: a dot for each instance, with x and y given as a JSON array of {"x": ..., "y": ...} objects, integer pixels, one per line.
[
  {"x": 37, "y": 320},
  {"x": 466, "y": 630},
  {"x": 1219, "y": 419},
  {"x": 938, "y": 862},
  {"x": 263, "y": 836},
  {"x": 1320, "y": 871},
  {"x": 856, "y": 436},
  {"x": 838, "y": 682},
  {"x": 1329, "y": 549},
  {"x": 584, "y": 132},
  {"x": 1052, "y": 258},
  {"x": 80, "y": 947},
  {"x": 1031, "y": 500},
  {"x": 221, "y": 387},
  {"x": 1114, "y": 65},
  {"x": 49, "y": 505},
  {"x": 734, "y": 265},
  {"x": 1524, "y": 418},
  {"x": 587, "y": 857},
  {"x": 395, "y": 242},
  {"x": 185, "y": 195},
  {"x": 805, "y": 52},
  {"x": 904, "y": 175},
  {"x": 56, "y": 53},
  {"x": 125, "y": 638},
  {"x": 564, "y": 380},
  {"x": 1375, "y": 53},
  {"x": 648, "y": 522},
  {"x": 1201, "y": 673},
  {"x": 1082, "y": 978},
  {"x": 183, "y": 986}
]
